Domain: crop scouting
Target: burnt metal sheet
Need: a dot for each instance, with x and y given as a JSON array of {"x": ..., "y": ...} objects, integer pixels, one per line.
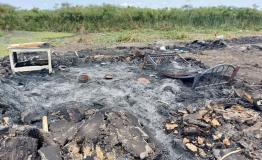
[{"x": 179, "y": 75}]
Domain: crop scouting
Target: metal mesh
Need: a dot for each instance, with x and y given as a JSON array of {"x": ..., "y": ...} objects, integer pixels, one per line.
[{"x": 220, "y": 74}]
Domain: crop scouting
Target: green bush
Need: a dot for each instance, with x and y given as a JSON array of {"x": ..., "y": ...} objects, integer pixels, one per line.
[{"x": 112, "y": 18}]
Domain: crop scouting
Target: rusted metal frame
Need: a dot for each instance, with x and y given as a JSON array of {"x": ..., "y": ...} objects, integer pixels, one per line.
[
  {"x": 152, "y": 58},
  {"x": 236, "y": 69},
  {"x": 207, "y": 74},
  {"x": 218, "y": 74}
]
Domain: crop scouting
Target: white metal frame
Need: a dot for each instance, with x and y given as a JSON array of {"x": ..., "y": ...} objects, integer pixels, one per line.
[{"x": 29, "y": 68}]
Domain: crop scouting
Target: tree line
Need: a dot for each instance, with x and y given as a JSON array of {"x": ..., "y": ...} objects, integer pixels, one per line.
[{"x": 112, "y": 18}]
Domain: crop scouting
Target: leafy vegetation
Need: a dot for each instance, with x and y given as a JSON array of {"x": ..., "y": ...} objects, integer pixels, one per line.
[{"x": 112, "y": 18}]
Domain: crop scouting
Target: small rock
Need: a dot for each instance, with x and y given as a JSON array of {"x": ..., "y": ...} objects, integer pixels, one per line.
[
  {"x": 202, "y": 153},
  {"x": 185, "y": 141},
  {"x": 182, "y": 111},
  {"x": 128, "y": 59},
  {"x": 170, "y": 126},
  {"x": 193, "y": 130},
  {"x": 6, "y": 121},
  {"x": 206, "y": 119},
  {"x": 2, "y": 71},
  {"x": 99, "y": 153},
  {"x": 111, "y": 155},
  {"x": 108, "y": 76},
  {"x": 83, "y": 78},
  {"x": 143, "y": 81},
  {"x": 215, "y": 123},
  {"x": 175, "y": 132},
  {"x": 200, "y": 140},
  {"x": 191, "y": 147},
  {"x": 72, "y": 148},
  {"x": 99, "y": 57},
  {"x": 217, "y": 136},
  {"x": 258, "y": 136},
  {"x": 202, "y": 112},
  {"x": 74, "y": 151},
  {"x": 226, "y": 142},
  {"x": 209, "y": 145},
  {"x": 145, "y": 154},
  {"x": 87, "y": 151}
]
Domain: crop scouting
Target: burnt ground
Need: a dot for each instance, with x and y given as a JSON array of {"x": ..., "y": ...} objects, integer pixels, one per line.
[{"x": 125, "y": 116}]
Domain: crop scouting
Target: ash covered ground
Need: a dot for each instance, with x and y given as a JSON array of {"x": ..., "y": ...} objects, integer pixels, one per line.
[{"x": 130, "y": 115}]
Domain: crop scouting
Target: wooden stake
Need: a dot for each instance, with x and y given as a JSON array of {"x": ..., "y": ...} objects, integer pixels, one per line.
[{"x": 45, "y": 123}]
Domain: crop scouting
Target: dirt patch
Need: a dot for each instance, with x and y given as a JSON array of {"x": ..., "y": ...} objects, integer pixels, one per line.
[{"x": 249, "y": 60}]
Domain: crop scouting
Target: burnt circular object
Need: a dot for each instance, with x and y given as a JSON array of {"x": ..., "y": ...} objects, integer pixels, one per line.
[{"x": 83, "y": 78}]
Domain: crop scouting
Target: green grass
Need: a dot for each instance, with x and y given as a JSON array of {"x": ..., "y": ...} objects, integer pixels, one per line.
[
  {"x": 1, "y": 33},
  {"x": 55, "y": 38},
  {"x": 144, "y": 36},
  {"x": 150, "y": 35}
]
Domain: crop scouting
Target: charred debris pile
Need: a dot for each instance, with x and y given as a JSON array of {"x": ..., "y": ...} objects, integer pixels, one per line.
[{"x": 133, "y": 110}]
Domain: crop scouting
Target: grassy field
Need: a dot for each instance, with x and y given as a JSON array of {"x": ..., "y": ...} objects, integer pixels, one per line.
[
  {"x": 150, "y": 35},
  {"x": 111, "y": 38},
  {"x": 107, "y": 25},
  {"x": 147, "y": 36},
  {"x": 7, "y": 38}
]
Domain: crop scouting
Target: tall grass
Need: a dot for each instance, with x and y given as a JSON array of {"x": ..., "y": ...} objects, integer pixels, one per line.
[{"x": 112, "y": 18}]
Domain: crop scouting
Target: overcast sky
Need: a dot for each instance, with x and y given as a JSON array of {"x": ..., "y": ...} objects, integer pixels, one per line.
[{"x": 49, "y": 4}]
